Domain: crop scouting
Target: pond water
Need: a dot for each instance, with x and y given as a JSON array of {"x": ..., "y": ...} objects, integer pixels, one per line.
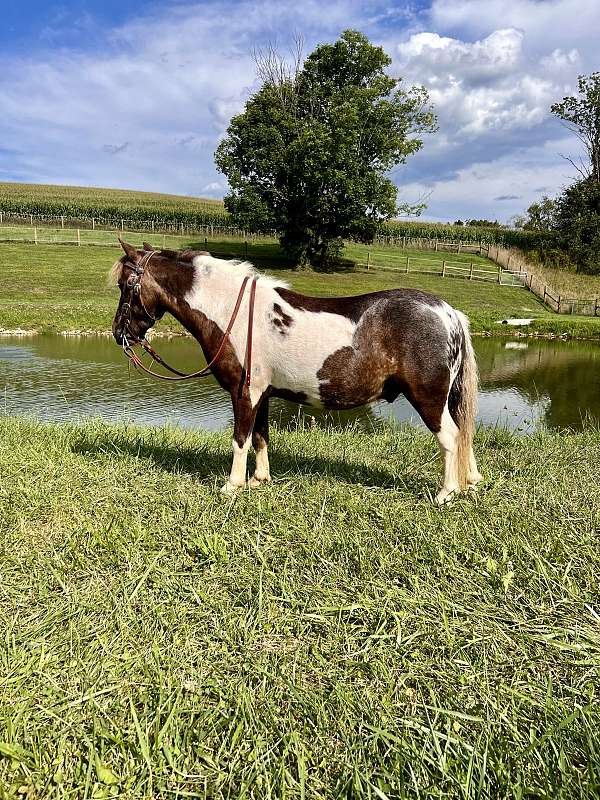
[{"x": 525, "y": 383}]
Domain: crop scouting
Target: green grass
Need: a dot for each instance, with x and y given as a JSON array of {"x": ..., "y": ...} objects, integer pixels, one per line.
[
  {"x": 332, "y": 635},
  {"x": 53, "y": 288}
]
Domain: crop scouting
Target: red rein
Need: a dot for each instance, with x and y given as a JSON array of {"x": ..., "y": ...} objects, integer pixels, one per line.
[{"x": 180, "y": 376}]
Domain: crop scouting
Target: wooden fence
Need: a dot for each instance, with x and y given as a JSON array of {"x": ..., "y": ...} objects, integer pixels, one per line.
[
  {"x": 451, "y": 269},
  {"x": 513, "y": 269},
  {"x": 515, "y": 262},
  {"x": 438, "y": 245},
  {"x": 107, "y": 237},
  {"x": 41, "y": 222}
]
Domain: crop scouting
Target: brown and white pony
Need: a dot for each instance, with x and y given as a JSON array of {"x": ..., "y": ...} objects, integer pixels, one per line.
[{"x": 334, "y": 353}]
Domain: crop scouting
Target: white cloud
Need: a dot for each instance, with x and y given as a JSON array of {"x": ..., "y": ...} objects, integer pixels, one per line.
[
  {"x": 492, "y": 70},
  {"x": 496, "y": 188},
  {"x": 547, "y": 24},
  {"x": 145, "y": 109}
]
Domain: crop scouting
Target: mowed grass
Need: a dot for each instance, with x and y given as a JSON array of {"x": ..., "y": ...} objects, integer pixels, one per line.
[
  {"x": 52, "y": 288},
  {"x": 332, "y": 635}
]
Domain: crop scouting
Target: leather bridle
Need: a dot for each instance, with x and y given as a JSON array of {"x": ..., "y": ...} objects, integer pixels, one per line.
[{"x": 134, "y": 282}]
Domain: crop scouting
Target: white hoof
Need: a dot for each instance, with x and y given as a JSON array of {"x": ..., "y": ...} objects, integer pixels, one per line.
[
  {"x": 473, "y": 481},
  {"x": 230, "y": 489},
  {"x": 444, "y": 497},
  {"x": 255, "y": 482}
]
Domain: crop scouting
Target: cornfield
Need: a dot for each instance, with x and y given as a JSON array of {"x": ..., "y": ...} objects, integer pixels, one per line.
[
  {"x": 87, "y": 207},
  {"x": 109, "y": 206}
]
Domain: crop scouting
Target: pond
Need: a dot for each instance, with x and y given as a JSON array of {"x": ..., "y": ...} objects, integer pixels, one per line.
[{"x": 525, "y": 383}]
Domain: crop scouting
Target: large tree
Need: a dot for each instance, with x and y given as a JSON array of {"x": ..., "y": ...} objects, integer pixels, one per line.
[
  {"x": 309, "y": 155},
  {"x": 581, "y": 115},
  {"x": 576, "y": 219}
]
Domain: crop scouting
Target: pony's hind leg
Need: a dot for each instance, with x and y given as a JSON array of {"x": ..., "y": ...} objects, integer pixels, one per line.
[
  {"x": 447, "y": 437},
  {"x": 430, "y": 400},
  {"x": 473, "y": 475},
  {"x": 260, "y": 442}
]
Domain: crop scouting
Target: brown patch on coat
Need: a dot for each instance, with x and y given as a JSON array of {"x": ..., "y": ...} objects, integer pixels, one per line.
[
  {"x": 280, "y": 320},
  {"x": 397, "y": 348}
]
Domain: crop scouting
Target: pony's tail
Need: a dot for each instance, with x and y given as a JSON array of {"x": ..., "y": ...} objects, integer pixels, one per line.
[{"x": 465, "y": 391}]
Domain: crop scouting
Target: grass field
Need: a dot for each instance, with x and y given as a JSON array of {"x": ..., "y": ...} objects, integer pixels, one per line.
[
  {"x": 54, "y": 288},
  {"x": 332, "y": 635}
]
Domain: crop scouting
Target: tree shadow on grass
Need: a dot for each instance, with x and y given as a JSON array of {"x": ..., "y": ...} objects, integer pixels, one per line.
[
  {"x": 265, "y": 255},
  {"x": 207, "y": 463}
]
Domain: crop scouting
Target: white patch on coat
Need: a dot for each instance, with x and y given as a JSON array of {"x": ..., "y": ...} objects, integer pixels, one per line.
[
  {"x": 453, "y": 321},
  {"x": 289, "y": 361}
]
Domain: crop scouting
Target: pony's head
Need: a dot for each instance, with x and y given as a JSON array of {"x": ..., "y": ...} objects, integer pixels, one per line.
[{"x": 140, "y": 301}]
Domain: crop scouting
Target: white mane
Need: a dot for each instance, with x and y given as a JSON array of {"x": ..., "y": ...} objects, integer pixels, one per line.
[{"x": 233, "y": 269}]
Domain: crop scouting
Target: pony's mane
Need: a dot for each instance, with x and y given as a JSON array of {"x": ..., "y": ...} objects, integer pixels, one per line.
[
  {"x": 207, "y": 264},
  {"x": 114, "y": 273}
]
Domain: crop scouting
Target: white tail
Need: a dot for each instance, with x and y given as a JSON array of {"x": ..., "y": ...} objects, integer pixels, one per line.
[{"x": 467, "y": 383}]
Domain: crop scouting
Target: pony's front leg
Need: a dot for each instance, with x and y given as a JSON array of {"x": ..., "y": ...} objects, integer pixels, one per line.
[
  {"x": 244, "y": 416},
  {"x": 260, "y": 442}
]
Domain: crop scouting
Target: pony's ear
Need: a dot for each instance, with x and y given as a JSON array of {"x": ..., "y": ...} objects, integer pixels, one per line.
[
  {"x": 130, "y": 251},
  {"x": 148, "y": 247}
]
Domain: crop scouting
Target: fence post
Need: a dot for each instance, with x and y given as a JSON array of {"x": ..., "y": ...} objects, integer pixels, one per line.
[
  {"x": 407, "y": 263},
  {"x": 471, "y": 272},
  {"x": 31, "y": 218},
  {"x": 443, "y": 269},
  {"x": 545, "y": 287},
  {"x": 206, "y": 243},
  {"x": 62, "y": 222},
  {"x": 596, "y": 306},
  {"x": 404, "y": 242},
  {"x": 499, "y": 274},
  {"x": 93, "y": 224},
  {"x": 121, "y": 225},
  {"x": 163, "y": 247},
  {"x": 35, "y": 235},
  {"x": 368, "y": 259},
  {"x": 558, "y": 309},
  {"x": 78, "y": 238}
]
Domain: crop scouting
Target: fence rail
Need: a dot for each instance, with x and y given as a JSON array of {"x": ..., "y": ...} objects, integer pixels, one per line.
[
  {"x": 513, "y": 269},
  {"x": 121, "y": 224},
  {"x": 451, "y": 269},
  {"x": 421, "y": 243},
  {"x": 515, "y": 262}
]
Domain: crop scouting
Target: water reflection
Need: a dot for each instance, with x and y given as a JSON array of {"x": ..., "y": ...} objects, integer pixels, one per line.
[{"x": 524, "y": 383}]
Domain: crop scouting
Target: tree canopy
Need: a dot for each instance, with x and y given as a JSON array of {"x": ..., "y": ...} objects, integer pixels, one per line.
[{"x": 310, "y": 154}]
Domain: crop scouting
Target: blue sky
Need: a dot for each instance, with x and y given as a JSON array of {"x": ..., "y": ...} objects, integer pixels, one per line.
[{"x": 137, "y": 94}]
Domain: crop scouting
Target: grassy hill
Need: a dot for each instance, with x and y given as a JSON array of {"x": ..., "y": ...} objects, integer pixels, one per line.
[
  {"x": 108, "y": 206},
  {"x": 19, "y": 193}
]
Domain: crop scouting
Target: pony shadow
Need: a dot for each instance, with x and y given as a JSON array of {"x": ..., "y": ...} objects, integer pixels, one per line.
[{"x": 207, "y": 464}]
